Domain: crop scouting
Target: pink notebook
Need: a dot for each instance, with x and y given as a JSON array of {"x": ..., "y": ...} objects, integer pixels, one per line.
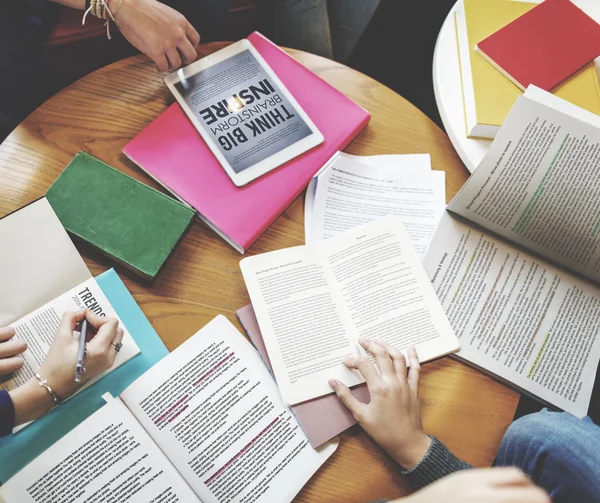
[
  {"x": 322, "y": 418},
  {"x": 173, "y": 153}
]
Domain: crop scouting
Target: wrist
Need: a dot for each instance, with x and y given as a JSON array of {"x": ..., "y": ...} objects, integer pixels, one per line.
[
  {"x": 411, "y": 452},
  {"x": 30, "y": 401}
]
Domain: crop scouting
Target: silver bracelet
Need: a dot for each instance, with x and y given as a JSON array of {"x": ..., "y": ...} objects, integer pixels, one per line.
[{"x": 44, "y": 384}]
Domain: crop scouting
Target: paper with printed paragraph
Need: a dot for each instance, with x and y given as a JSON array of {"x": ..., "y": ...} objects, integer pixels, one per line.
[{"x": 215, "y": 411}]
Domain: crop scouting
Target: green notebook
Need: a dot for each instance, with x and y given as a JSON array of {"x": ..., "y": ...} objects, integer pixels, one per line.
[{"x": 123, "y": 218}]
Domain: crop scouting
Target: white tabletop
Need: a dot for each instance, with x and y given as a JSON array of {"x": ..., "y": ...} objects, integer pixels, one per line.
[{"x": 448, "y": 90}]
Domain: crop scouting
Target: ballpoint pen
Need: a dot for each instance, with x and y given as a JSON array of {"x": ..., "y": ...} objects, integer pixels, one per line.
[{"x": 79, "y": 367}]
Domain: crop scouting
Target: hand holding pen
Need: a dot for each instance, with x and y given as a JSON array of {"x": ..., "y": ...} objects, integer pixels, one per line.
[{"x": 31, "y": 400}]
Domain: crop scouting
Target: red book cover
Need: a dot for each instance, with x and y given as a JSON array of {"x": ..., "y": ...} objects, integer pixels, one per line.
[
  {"x": 545, "y": 46},
  {"x": 173, "y": 153}
]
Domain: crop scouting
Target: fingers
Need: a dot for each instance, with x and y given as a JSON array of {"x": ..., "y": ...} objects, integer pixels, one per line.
[
  {"x": 106, "y": 334},
  {"x": 529, "y": 494},
  {"x": 96, "y": 321},
  {"x": 187, "y": 51},
  {"x": 414, "y": 374},
  {"x": 192, "y": 36},
  {"x": 68, "y": 323},
  {"x": 174, "y": 58},
  {"x": 365, "y": 367},
  {"x": 112, "y": 351},
  {"x": 8, "y": 365},
  {"x": 7, "y": 333},
  {"x": 12, "y": 348},
  {"x": 353, "y": 404},
  {"x": 397, "y": 359},
  {"x": 509, "y": 476},
  {"x": 118, "y": 336},
  {"x": 381, "y": 354},
  {"x": 160, "y": 60}
]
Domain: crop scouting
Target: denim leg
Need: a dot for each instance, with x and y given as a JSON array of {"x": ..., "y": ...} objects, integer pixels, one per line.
[
  {"x": 348, "y": 20},
  {"x": 302, "y": 24},
  {"x": 559, "y": 452}
]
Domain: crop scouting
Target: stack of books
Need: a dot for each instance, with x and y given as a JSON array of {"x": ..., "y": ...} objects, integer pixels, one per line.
[{"x": 505, "y": 45}]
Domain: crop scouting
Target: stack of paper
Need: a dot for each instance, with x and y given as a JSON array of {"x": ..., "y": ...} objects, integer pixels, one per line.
[{"x": 351, "y": 190}]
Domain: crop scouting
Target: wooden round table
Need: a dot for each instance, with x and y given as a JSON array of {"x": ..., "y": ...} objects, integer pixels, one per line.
[{"x": 102, "y": 112}]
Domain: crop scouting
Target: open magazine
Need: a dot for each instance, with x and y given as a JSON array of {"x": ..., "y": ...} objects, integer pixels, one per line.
[
  {"x": 516, "y": 260},
  {"x": 205, "y": 424},
  {"x": 42, "y": 277}
]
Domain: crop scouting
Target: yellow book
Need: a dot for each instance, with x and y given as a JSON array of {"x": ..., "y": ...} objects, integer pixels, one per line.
[{"x": 489, "y": 95}]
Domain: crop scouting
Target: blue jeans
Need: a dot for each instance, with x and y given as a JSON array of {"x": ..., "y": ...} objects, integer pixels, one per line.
[
  {"x": 329, "y": 28},
  {"x": 559, "y": 452}
]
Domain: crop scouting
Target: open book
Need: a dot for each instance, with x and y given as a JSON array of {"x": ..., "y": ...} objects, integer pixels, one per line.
[
  {"x": 516, "y": 262},
  {"x": 43, "y": 276},
  {"x": 205, "y": 424},
  {"x": 313, "y": 302}
]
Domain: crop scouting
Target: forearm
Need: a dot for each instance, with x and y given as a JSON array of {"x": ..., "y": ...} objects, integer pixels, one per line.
[
  {"x": 30, "y": 402},
  {"x": 75, "y": 4},
  {"x": 437, "y": 463}
]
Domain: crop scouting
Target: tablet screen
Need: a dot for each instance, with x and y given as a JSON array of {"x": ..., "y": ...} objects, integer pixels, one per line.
[{"x": 243, "y": 110}]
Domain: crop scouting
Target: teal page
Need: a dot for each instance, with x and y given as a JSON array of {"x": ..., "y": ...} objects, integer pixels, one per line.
[{"x": 16, "y": 451}]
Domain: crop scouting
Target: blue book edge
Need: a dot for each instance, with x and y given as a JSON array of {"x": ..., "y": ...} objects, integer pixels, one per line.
[{"x": 19, "y": 450}]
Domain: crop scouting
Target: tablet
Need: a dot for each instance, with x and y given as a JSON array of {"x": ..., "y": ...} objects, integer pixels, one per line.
[{"x": 243, "y": 111}]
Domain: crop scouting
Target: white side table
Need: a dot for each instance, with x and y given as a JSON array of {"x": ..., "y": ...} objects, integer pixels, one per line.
[{"x": 448, "y": 91}]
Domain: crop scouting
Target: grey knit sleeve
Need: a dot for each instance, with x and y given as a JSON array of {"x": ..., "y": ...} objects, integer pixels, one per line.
[{"x": 437, "y": 463}]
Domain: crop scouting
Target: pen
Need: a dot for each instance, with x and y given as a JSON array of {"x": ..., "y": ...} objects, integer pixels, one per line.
[{"x": 79, "y": 368}]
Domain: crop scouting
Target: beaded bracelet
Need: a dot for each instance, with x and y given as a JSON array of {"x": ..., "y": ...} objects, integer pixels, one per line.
[
  {"x": 100, "y": 9},
  {"x": 44, "y": 384}
]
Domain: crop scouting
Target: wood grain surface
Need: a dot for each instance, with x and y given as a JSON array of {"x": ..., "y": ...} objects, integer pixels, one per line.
[{"x": 103, "y": 111}]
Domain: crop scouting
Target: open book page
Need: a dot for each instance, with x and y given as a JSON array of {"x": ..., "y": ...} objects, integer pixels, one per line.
[
  {"x": 39, "y": 328},
  {"x": 351, "y": 193},
  {"x": 306, "y": 327},
  {"x": 215, "y": 411},
  {"x": 386, "y": 290},
  {"x": 38, "y": 261},
  {"x": 313, "y": 302},
  {"x": 537, "y": 187},
  {"x": 108, "y": 457},
  {"x": 517, "y": 316}
]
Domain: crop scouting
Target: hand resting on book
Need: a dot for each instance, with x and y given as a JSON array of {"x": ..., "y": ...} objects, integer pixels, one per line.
[
  {"x": 32, "y": 400},
  {"x": 393, "y": 418}
]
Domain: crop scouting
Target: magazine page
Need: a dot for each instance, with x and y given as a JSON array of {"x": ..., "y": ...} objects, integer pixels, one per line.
[
  {"x": 538, "y": 186},
  {"x": 108, "y": 457},
  {"x": 215, "y": 411},
  {"x": 38, "y": 261},
  {"x": 517, "y": 316},
  {"x": 39, "y": 328}
]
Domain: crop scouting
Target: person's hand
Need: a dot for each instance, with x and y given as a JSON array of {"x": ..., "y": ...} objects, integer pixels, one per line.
[
  {"x": 159, "y": 31},
  {"x": 393, "y": 418},
  {"x": 10, "y": 349},
  {"x": 492, "y": 485},
  {"x": 59, "y": 365},
  {"x": 31, "y": 401}
]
